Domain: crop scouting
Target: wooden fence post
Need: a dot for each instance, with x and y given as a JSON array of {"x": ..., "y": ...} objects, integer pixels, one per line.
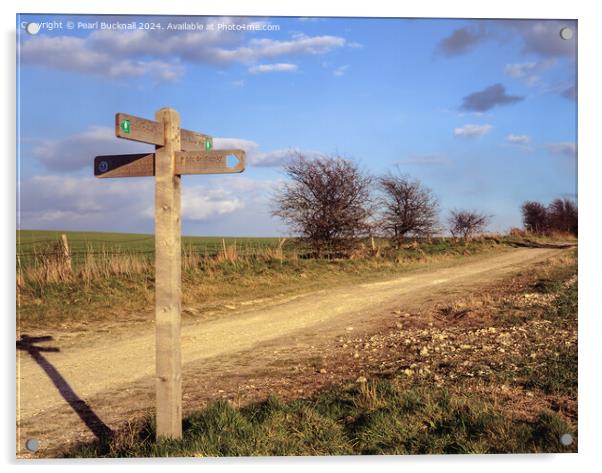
[{"x": 66, "y": 255}]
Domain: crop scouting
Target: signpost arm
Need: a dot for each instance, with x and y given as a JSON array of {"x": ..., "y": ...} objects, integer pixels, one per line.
[{"x": 168, "y": 279}]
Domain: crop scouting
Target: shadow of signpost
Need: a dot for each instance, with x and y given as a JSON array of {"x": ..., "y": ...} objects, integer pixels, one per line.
[{"x": 81, "y": 408}]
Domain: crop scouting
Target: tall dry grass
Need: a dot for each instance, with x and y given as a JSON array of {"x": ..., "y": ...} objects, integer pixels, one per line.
[{"x": 50, "y": 264}]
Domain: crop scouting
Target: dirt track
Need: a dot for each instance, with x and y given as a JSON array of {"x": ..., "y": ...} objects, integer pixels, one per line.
[{"x": 52, "y": 385}]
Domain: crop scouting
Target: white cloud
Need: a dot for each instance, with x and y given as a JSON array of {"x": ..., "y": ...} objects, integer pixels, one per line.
[
  {"x": 518, "y": 139},
  {"x": 529, "y": 72},
  {"x": 60, "y": 201},
  {"x": 76, "y": 55},
  {"x": 77, "y": 151},
  {"x": 523, "y": 71},
  {"x": 72, "y": 202},
  {"x": 339, "y": 71},
  {"x": 299, "y": 44},
  {"x": 280, "y": 67},
  {"x": 566, "y": 148},
  {"x": 279, "y": 157},
  {"x": 238, "y": 143},
  {"x": 472, "y": 131},
  {"x": 256, "y": 157},
  {"x": 162, "y": 54},
  {"x": 242, "y": 184},
  {"x": 200, "y": 203}
]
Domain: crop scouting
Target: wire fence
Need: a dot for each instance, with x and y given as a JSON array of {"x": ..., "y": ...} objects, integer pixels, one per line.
[
  {"x": 85, "y": 241},
  {"x": 59, "y": 259},
  {"x": 79, "y": 250}
]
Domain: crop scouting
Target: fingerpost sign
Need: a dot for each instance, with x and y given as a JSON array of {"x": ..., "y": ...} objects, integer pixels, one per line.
[{"x": 177, "y": 152}]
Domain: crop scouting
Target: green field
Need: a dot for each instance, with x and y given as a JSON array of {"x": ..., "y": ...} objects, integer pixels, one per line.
[{"x": 30, "y": 242}]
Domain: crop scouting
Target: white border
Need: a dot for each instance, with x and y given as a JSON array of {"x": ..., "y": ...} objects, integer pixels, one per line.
[{"x": 590, "y": 182}]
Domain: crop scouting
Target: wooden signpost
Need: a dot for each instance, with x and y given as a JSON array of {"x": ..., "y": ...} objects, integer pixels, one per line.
[{"x": 177, "y": 152}]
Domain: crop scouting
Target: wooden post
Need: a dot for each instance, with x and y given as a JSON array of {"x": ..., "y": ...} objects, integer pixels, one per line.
[
  {"x": 168, "y": 279},
  {"x": 66, "y": 255}
]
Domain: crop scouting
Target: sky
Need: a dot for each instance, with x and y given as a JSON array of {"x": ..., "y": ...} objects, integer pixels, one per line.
[{"x": 483, "y": 112}]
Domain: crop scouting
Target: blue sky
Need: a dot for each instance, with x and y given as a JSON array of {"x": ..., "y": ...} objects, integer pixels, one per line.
[{"x": 482, "y": 112}]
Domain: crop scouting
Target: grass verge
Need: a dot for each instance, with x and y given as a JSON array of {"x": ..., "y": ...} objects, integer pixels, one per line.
[{"x": 373, "y": 418}]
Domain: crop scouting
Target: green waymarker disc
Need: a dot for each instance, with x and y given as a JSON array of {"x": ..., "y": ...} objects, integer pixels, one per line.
[{"x": 125, "y": 126}]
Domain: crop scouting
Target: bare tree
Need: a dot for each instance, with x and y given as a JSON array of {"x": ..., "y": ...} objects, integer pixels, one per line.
[
  {"x": 466, "y": 223},
  {"x": 563, "y": 215},
  {"x": 407, "y": 208},
  {"x": 327, "y": 201},
  {"x": 535, "y": 216}
]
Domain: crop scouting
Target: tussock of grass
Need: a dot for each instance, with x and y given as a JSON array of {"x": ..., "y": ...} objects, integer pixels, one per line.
[{"x": 377, "y": 417}]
